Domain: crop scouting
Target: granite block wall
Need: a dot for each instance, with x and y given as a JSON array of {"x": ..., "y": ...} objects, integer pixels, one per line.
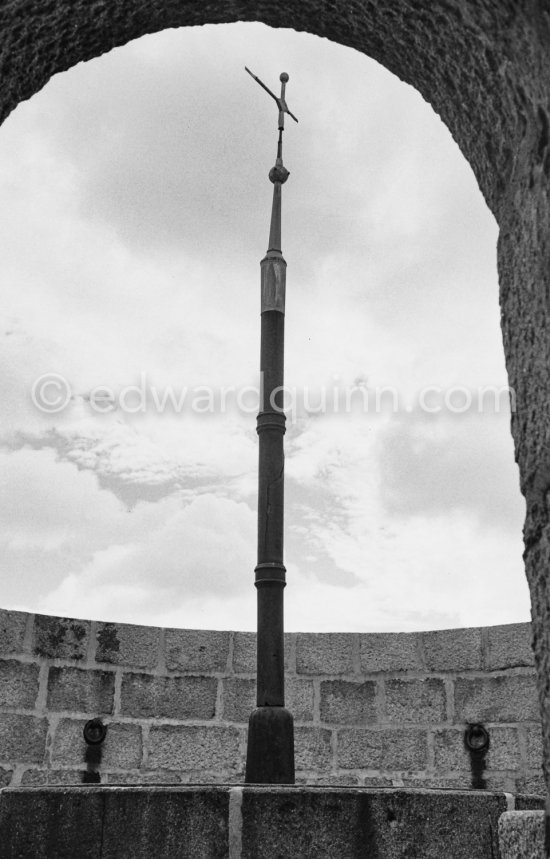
[{"x": 370, "y": 709}]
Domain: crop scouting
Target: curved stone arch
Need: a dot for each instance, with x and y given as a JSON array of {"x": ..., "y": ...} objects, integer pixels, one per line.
[{"x": 484, "y": 66}]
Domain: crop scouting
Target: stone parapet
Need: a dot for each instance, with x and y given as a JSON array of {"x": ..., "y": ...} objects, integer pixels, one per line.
[{"x": 382, "y": 709}]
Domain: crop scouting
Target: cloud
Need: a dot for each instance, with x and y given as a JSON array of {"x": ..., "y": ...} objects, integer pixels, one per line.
[
  {"x": 68, "y": 540},
  {"x": 134, "y": 213},
  {"x": 430, "y": 465},
  {"x": 47, "y": 504},
  {"x": 203, "y": 548}
]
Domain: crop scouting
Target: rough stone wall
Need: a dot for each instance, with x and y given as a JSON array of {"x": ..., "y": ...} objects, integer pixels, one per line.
[
  {"x": 484, "y": 65},
  {"x": 379, "y": 709}
]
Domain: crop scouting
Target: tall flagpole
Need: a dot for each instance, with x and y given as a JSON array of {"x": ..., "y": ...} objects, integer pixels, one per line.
[{"x": 270, "y": 752}]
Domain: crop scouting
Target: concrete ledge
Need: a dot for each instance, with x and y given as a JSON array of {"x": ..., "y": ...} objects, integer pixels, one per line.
[
  {"x": 521, "y": 835},
  {"x": 247, "y": 822}
]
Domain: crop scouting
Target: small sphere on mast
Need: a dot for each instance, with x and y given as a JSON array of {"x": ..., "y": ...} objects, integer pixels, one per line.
[
  {"x": 278, "y": 174},
  {"x": 283, "y": 77}
]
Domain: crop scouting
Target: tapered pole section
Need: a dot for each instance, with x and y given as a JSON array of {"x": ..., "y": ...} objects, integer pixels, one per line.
[{"x": 270, "y": 752}]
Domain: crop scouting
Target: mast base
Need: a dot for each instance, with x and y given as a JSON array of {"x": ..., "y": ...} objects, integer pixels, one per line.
[{"x": 270, "y": 750}]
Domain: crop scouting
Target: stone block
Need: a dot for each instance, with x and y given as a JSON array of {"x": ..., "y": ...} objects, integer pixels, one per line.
[
  {"x": 18, "y": 684},
  {"x": 530, "y": 802},
  {"x": 377, "y": 781},
  {"x": 452, "y": 649},
  {"x": 12, "y": 631},
  {"x": 398, "y": 750},
  {"x": 244, "y": 652},
  {"x": 420, "y": 701},
  {"x": 521, "y": 835},
  {"x": 508, "y": 646},
  {"x": 299, "y": 698},
  {"x": 531, "y": 784},
  {"x": 124, "y": 644},
  {"x": 224, "y": 777},
  {"x": 347, "y": 703},
  {"x": 388, "y": 651},
  {"x": 500, "y": 782},
  {"x": 22, "y": 739},
  {"x": 5, "y": 776},
  {"x": 254, "y": 822},
  {"x": 121, "y": 749},
  {"x": 79, "y": 691},
  {"x": 346, "y": 780},
  {"x": 239, "y": 699},
  {"x": 60, "y": 637},
  {"x": 39, "y": 777},
  {"x": 504, "y": 698},
  {"x": 451, "y": 753},
  {"x": 312, "y": 749},
  {"x": 534, "y": 746},
  {"x": 348, "y": 823},
  {"x": 137, "y": 777},
  {"x": 196, "y": 650},
  {"x": 143, "y": 695},
  {"x": 115, "y": 822},
  {"x": 458, "y": 781},
  {"x": 190, "y": 747},
  {"x": 324, "y": 653},
  {"x": 504, "y": 749}
]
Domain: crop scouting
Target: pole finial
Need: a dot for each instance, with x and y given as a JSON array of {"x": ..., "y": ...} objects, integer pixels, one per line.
[{"x": 280, "y": 100}]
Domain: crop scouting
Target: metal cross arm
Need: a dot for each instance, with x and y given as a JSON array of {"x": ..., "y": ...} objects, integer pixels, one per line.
[{"x": 281, "y": 103}]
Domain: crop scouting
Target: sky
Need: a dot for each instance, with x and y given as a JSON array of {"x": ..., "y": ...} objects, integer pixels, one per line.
[{"x": 134, "y": 211}]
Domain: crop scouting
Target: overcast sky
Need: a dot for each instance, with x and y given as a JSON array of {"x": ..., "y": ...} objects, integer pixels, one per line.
[{"x": 134, "y": 212}]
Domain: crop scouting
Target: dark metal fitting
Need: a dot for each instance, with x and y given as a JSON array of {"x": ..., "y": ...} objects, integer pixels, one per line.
[
  {"x": 273, "y": 255},
  {"x": 273, "y": 573},
  {"x": 279, "y": 173},
  {"x": 94, "y": 732},
  {"x": 476, "y": 738},
  {"x": 271, "y": 420}
]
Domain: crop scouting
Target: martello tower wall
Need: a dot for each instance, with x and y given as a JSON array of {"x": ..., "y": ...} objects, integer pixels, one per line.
[{"x": 377, "y": 709}]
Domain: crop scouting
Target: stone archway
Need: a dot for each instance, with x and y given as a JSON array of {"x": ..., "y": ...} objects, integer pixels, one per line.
[{"x": 484, "y": 66}]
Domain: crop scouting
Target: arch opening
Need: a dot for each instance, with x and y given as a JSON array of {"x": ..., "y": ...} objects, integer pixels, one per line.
[
  {"x": 156, "y": 165},
  {"x": 490, "y": 91}
]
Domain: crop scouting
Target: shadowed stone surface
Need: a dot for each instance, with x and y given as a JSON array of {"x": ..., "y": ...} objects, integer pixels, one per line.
[
  {"x": 484, "y": 66},
  {"x": 114, "y": 823},
  {"x": 521, "y": 835},
  {"x": 371, "y": 824},
  {"x": 180, "y": 822}
]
